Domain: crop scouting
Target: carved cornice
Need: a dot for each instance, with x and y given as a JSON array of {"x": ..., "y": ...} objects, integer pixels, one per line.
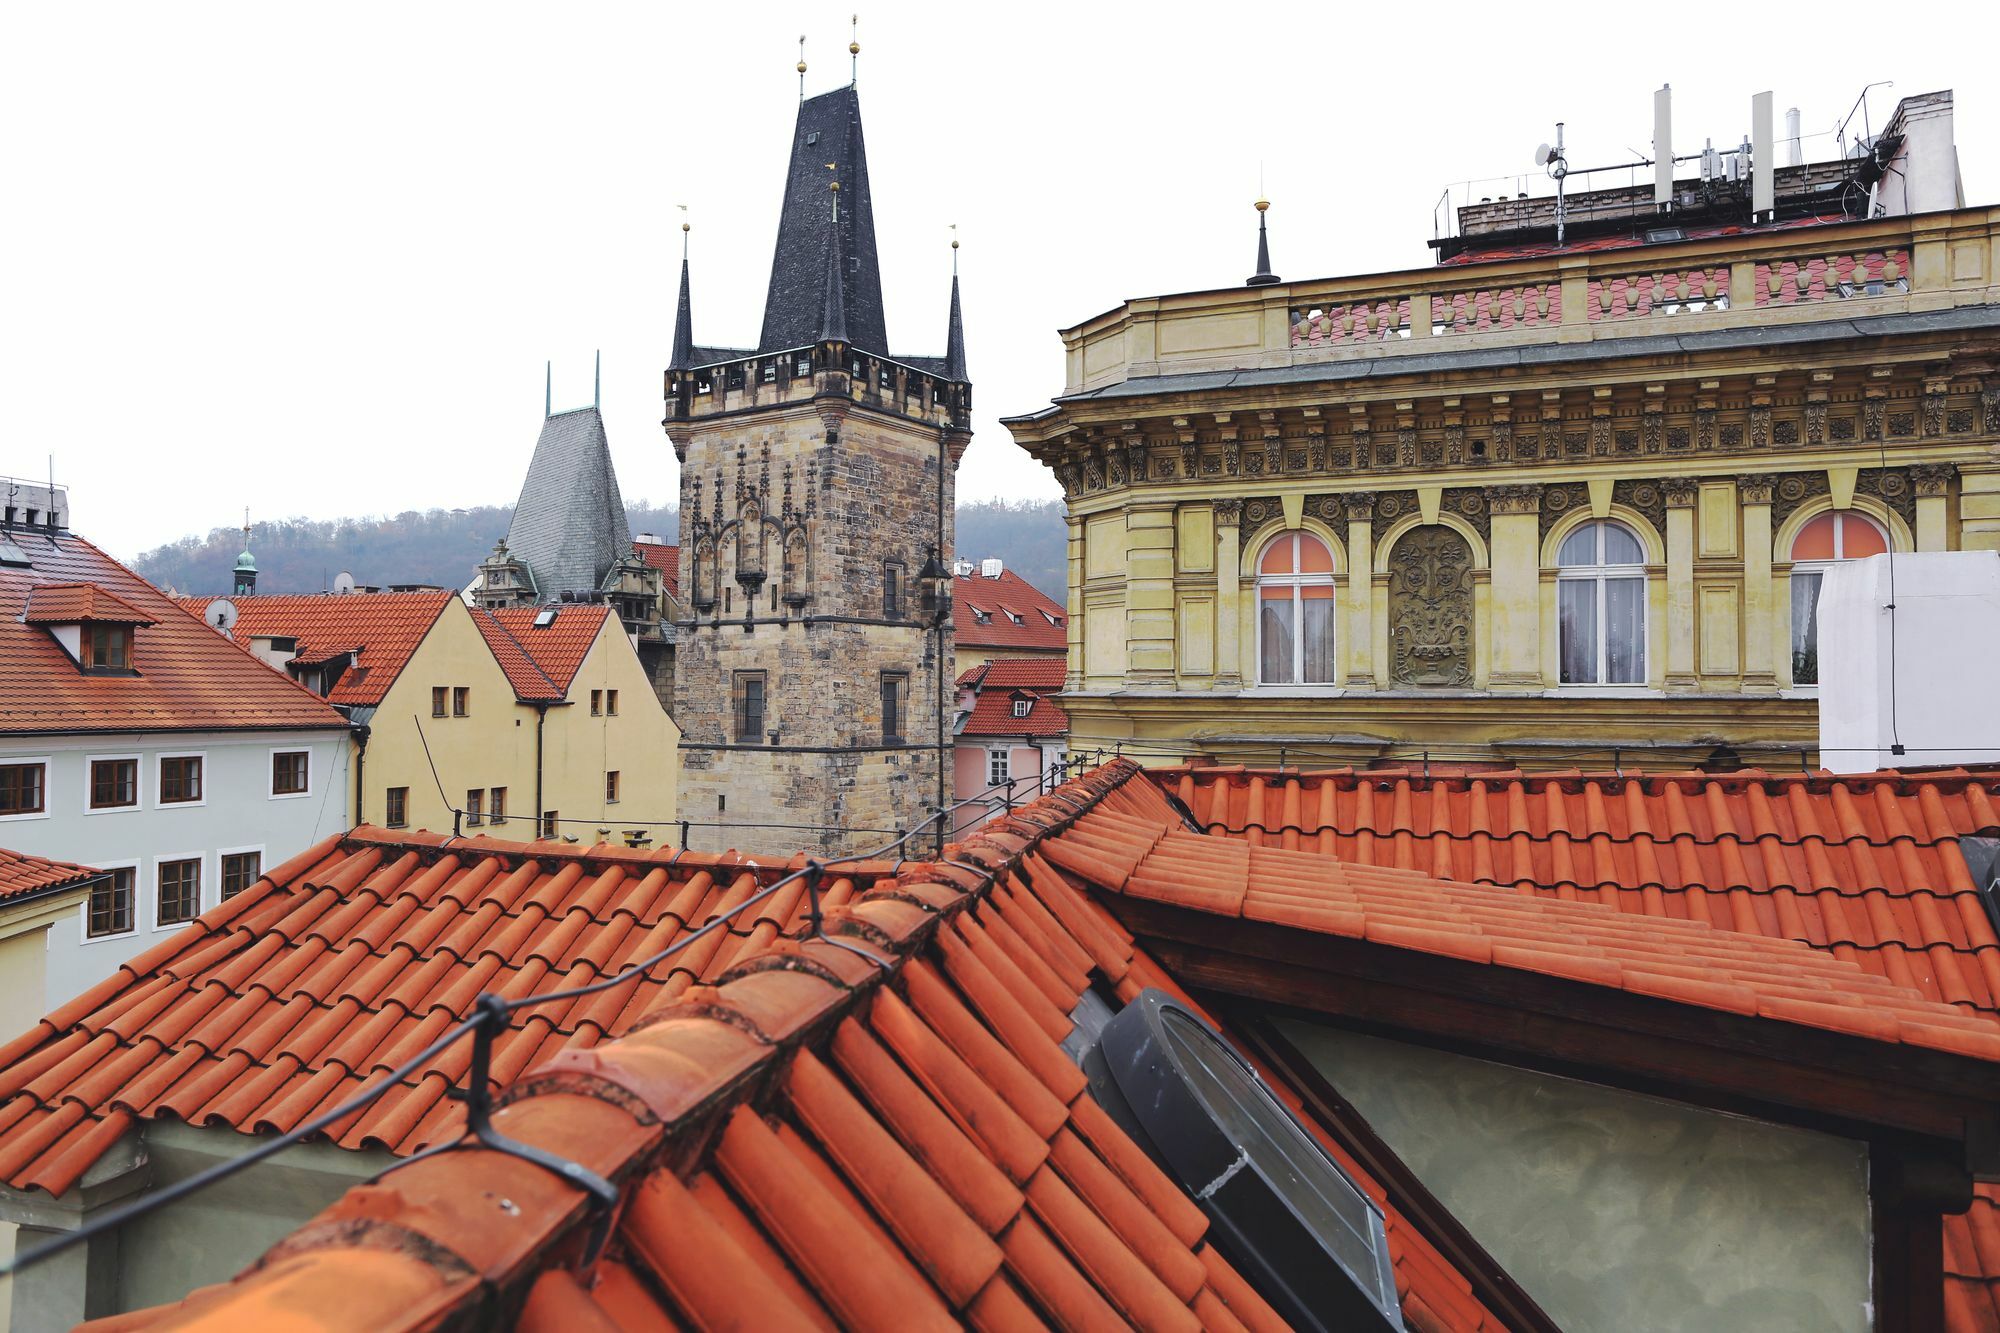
[{"x": 1360, "y": 506}]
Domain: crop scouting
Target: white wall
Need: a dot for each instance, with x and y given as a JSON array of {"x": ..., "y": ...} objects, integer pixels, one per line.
[
  {"x": 1921, "y": 674},
  {"x": 237, "y": 813}
]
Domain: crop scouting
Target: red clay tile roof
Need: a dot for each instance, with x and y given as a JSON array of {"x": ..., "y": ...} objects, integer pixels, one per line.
[
  {"x": 1000, "y": 600},
  {"x": 71, "y": 603},
  {"x": 996, "y": 686},
  {"x": 666, "y": 559},
  {"x": 528, "y": 680},
  {"x": 383, "y": 629},
  {"x": 1041, "y": 674},
  {"x": 555, "y": 651},
  {"x": 1865, "y": 868},
  {"x": 188, "y": 677},
  {"x": 23, "y": 875},
  {"x": 804, "y": 1134}
]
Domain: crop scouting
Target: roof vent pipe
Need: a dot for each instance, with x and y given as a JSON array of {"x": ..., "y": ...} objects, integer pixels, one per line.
[{"x": 1794, "y": 149}]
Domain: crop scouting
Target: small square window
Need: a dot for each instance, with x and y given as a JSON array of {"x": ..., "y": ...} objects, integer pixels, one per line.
[
  {"x": 611, "y": 787},
  {"x": 437, "y": 700},
  {"x": 239, "y": 871},
  {"x": 289, "y": 773},
  {"x": 111, "y": 903},
  {"x": 114, "y": 783},
  {"x": 180, "y": 892},
  {"x": 180, "y": 779},
  {"x": 108, "y": 648},
  {"x": 461, "y": 701},
  {"x": 550, "y": 822},
  {"x": 397, "y": 815},
  {"x": 474, "y": 803},
  {"x": 22, "y": 788}
]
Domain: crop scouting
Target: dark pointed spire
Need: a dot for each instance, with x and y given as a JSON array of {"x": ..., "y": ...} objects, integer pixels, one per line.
[
  {"x": 683, "y": 356},
  {"x": 954, "y": 337},
  {"x": 833, "y": 298},
  {"x": 828, "y": 131},
  {"x": 1263, "y": 277}
]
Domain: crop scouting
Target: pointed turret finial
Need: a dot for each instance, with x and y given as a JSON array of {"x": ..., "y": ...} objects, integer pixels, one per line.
[
  {"x": 683, "y": 357},
  {"x": 1263, "y": 277},
  {"x": 548, "y": 389},
  {"x": 833, "y": 308},
  {"x": 802, "y": 67},
  {"x": 954, "y": 338},
  {"x": 854, "y": 51},
  {"x": 597, "y": 382}
]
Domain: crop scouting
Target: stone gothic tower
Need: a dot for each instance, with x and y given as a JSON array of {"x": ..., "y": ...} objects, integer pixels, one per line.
[{"x": 812, "y": 684}]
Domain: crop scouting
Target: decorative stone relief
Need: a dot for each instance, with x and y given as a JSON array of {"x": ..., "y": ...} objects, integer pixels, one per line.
[
  {"x": 1228, "y": 513},
  {"x": 1471, "y": 506},
  {"x": 1760, "y": 428},
  {"x": 1430, "y": 609},
  {"x": 1680, "y": 492},
  {"x": 1795, "y": 489},
  {"x": 1391, "y": 505},
  {"x": 1559, "y": 499},
  {"x": 1892, "y": 488},
  {"x": 1514, "y": 499},
  {"x": 1874, "y": 416},
  {"x": 1815, "y": 425},
  {"x": 1360, "y": 506},
  {"x": 1755, "y": 488},
  {"x": 1932, "y": 480},
  {"x": 1645, "y": 497},
  {"x": 1958, "y": 421},
  {"x": 1256, "y": 513},
  {"x": 1934, "y": 413}
]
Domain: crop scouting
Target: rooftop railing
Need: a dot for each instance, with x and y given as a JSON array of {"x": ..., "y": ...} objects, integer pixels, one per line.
[{"x": 1786, "y": 274}]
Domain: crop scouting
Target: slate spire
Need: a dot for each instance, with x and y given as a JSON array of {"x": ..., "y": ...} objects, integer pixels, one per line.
[
  {"x": 954, "y": 336},
  {"x": 684, "y": 317},
  {"x": 828, "y": 133},
  {"x": 569, "y": 525},
  {"x": 1263, "y": 277},
  {"x": 833, "y": 291}
]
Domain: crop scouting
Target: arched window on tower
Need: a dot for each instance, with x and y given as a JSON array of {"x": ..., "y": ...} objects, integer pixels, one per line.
[
  {"x": 1832, "y": 537},
  {"x": 1295, "y": 612},
  {"x": 1601, "y": 605}
]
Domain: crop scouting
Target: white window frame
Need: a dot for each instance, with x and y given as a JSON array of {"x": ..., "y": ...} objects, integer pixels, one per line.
[
  {"x": 1022, "y": 707},
  {"x": 137, "y": 866},
  {"x": 205, "y": 880},
  {"x": 1601, "y": 574},
  {"x": 1002, "y": 758},
  {"x": 1296, "y": 582},
  {"x": 138, "y": 783},
  {"x": 48, "y": 793},
  {"x": 1819, "y": 567},
  {"x": 263, "y": 863},
  {"x": 271, "y": 773},
  {"x": 160, "y": 786}
]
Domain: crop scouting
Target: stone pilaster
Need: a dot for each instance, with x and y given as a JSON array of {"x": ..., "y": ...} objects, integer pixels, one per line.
[
  {"x": 1753, "y": 496},
  {"x": 1149, "y": 596},
  {"x": 1358, "y": 645},
  {"x": 1933, "y": 483},
  {"x": 1073, "y": 626},
  {"x": 1228, "y": 594},
  {"x": 1516, "y": 599},
  {"x": 1681, "y": 493}
]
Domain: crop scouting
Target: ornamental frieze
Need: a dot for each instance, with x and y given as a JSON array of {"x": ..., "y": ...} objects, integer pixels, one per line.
[
  {"x": 1559, "y": 499},
  {"x": 1514, "y": 499},
  {"x": 1643, "y": 497},
  {"x": 1795, "y": 489}
]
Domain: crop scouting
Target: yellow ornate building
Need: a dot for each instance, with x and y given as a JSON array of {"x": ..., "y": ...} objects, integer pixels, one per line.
[{"x": 1543, "y": 504}]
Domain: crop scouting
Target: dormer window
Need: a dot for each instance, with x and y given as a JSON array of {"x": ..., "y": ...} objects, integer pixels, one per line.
[
  {"x": 108, "y": 648},
  {"x": 983, "y": 617},
  {"x": 94, "y": 626},
  {"x": 1023, "y": 705}
]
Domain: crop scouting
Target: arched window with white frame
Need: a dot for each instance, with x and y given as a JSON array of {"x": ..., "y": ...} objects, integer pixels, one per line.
[
  {"x": 1827, "y": 540},
  {"x": 1295, "y": 612},
  {"x": 1601, "y": 605}
]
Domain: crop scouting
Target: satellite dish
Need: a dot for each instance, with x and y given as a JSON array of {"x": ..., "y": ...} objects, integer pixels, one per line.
[
  {"x": 343, "y": 583},
  {"x": 221, "y": 613},
  {"x": 1542, "y": 154}
]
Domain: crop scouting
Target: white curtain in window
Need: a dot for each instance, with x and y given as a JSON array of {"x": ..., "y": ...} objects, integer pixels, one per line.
[
  {"x": 1576, "y": 601},
  {"x": 1276, "y": 665}
]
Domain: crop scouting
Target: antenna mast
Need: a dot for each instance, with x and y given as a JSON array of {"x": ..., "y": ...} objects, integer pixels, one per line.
[{"x": 1558, "y": 167}]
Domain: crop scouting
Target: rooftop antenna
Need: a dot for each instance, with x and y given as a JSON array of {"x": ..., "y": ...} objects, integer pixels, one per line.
[
  {"x": 802, "y": 67},
  {"x": 854, "y": 51},
  {"x": 1557, "y": 165}
]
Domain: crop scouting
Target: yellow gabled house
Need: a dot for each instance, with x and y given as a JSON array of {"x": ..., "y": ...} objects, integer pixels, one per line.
[{"x": 523, "y": 722}]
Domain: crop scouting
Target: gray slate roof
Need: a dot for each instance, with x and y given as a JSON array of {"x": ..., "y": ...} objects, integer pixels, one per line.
[
  {"x": 569, "y": 526},
  {"x": 828, "y": 130}
]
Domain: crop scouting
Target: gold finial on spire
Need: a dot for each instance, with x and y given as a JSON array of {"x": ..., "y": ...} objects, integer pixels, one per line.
[
  {"x": 802, "y": 67},
  {"x": 954, "y": 249},
  {"x": 853, "y": 50},
  {"x": 834, "y": 187},
  {"x": 1263, "y": 205}
]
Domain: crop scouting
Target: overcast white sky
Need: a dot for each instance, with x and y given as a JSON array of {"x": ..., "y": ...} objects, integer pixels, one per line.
[{"x": 310, "y": 259}]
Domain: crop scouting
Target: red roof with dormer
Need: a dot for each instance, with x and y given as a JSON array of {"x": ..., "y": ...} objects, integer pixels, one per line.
[
  {"x": 666, "y": 559},
  {"x": 1007, "y": 613},
  {"x": 997, "y": 687},
  {"x": 184, "y": 676}
]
